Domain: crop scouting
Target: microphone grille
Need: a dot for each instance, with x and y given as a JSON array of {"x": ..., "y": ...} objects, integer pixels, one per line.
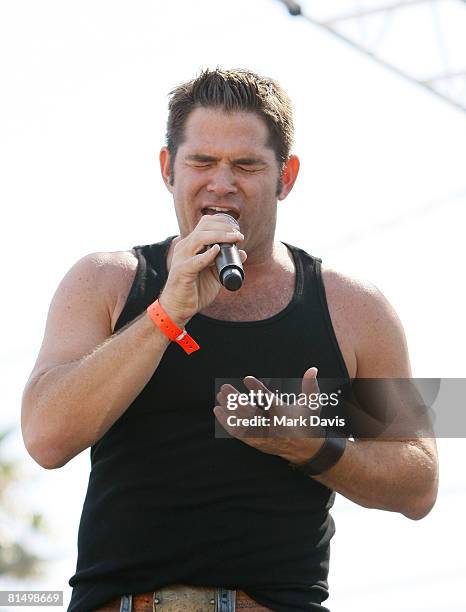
[{"x": 229, "y": 218}]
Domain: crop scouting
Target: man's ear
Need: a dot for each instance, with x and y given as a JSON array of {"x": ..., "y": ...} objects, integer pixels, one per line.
[
  {"x": 289, "y": 175},
  {"x": 165, "y": 168}
]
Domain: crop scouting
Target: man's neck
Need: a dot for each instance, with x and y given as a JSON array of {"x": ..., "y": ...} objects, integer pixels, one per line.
[
  {"x": 259, "y": 269},
  {"x": 267, "y": 289}
]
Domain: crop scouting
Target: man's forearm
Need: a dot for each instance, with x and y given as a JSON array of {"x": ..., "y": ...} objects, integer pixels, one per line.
[
  {"x": 71, "y": 406},
  {"x": 390, "y": 475}
]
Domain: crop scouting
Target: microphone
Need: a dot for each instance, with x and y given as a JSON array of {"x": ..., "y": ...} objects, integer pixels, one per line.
[{"x": 228, "y": 261}]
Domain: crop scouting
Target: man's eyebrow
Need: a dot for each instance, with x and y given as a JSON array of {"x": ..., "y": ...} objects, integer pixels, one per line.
[
  {"x": 248, "y": 161},
  {"x": 201, "y": 157}
]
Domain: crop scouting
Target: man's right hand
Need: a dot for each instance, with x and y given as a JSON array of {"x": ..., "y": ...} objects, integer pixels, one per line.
[{"x": 193, "y": 282}]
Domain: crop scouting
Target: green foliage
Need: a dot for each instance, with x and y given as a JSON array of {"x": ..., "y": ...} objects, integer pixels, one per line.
[{"x": 15, "y": 557}]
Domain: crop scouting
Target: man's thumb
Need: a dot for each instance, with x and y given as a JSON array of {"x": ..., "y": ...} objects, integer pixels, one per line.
[{"x": 309, "y": 384}]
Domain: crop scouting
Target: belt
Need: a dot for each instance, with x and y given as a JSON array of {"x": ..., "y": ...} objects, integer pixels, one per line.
[{"x": 181, "y": 598}]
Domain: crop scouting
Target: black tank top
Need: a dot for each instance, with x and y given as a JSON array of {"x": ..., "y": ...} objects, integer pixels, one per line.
[{"x": 170, "y": 503}]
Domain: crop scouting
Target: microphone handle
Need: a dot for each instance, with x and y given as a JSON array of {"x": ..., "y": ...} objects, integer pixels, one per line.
[
  {"x": 228, "y": 261},
  {"x": 229, "y": 266}
]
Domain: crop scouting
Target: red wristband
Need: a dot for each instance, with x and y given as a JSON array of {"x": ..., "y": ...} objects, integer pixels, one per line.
[{"x": 170, "y": 329}]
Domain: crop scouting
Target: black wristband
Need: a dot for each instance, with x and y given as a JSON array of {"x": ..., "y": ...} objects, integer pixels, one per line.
[{"x": 325, "y": 458}]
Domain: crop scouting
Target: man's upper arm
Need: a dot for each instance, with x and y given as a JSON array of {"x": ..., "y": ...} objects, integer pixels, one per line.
[
  {"x": 79, "y": 317},
  {"x": 381, "y": 353},
  {"x": 367, "y": 327},
  {"x": 380, "y": 342}
]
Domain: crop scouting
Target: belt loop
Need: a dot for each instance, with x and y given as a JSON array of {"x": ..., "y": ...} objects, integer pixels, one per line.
[
  {"x": 126, "y": 604},
  {"x": 226, "y": 600}
]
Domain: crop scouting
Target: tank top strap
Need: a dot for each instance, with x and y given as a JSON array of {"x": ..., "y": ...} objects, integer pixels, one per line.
[
  {"x": 309, "y": 284},
  {"x": 315, "y": 308},
  {"x": 148, "y": 281}
]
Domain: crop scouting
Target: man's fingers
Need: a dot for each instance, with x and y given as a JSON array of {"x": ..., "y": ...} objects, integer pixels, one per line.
[
  {"x": 233, "y": 402},
  {"x": 265, "y": 398},
  {"x": 227, "y": 394},
  {"x": 238, "y": 428},
  {"x": 203, "y": 260},
  {"x": 309, "y": 384},
  {"x": 253, "y": 383},
  {"x": 200, "y": 238}
]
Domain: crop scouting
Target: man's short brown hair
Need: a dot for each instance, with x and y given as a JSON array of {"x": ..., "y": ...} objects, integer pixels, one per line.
[{"x": 232, "y": 91}]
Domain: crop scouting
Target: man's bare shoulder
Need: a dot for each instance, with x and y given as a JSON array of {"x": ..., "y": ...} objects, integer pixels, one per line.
[
  {"x": 115, "y": 272},
  {"x": 361, "y": 299},
  {"x": 113, "y": 266},
  {"x": 364, "y": 316},
  {"x": 114, "y": 260},
  {"x": 348, "y": 289}
]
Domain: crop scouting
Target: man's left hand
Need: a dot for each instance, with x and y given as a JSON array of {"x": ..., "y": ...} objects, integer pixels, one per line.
[{"x": 294, "y": 441}]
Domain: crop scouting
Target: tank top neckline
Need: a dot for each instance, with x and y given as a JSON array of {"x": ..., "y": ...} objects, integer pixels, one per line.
[{"x": 297, "y": 293}]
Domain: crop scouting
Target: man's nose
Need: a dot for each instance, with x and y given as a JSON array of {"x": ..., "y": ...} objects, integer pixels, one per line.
[{"x": 222, "y": 181}]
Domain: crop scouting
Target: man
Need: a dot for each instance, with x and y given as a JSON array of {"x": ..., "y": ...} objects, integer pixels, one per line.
[{"x": 176, "y": 518}]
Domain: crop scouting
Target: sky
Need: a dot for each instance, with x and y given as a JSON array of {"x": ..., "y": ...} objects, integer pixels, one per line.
[{"x": 381, "y": 195}]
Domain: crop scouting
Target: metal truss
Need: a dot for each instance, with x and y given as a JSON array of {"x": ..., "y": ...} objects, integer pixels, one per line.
[{"x": 423, "y": 41}]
